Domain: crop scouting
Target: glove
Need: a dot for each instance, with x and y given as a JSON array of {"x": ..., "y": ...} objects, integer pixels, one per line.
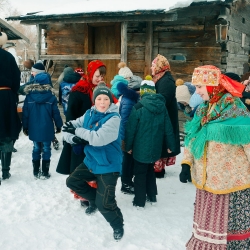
[
  {"x": 58, "y": 130},
  {"x": 185, "y": 173},
  {"x": 69, "y": 128},
  {"x": 25, "y": 131},
  {"x": 78, "y": 149},
  {"x": 77, "y": 140}
]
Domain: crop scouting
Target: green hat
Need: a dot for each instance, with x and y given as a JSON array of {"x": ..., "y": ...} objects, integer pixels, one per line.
[{"x": 147, "y": 86}]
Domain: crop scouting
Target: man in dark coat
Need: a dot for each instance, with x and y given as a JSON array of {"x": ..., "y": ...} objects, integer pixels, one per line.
[{"x": 10, "y": 124}]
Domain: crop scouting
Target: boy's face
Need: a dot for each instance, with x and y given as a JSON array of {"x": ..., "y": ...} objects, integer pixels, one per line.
[{"x": 102, "y": 103}]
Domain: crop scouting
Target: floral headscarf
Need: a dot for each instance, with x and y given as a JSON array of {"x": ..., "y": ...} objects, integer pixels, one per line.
[{"x": 162, "y": 65}]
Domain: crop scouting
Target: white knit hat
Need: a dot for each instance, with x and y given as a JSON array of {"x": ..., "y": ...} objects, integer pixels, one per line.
[
  {"x": 182, "y": 94},
  {"x": 3, "y": 38},
  {"x": 124, "y": 70}
]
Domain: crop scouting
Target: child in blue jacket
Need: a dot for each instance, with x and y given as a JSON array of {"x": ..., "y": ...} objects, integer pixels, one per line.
[
  {"x": 40, "y": 113},
  {"x": 99, "y": 129}
]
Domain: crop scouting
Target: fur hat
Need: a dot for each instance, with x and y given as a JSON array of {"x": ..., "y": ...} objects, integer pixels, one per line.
[
  {"x": 38, "y": 68},
  {"x": 102, "y": 89},
  {"x": 3, "y": 38},
  {"x": 147, "y": 86},
  {"x": 124, "y": 70},
  {"x": 182, "y": 94},
  {"x": 179, "y": 82}
]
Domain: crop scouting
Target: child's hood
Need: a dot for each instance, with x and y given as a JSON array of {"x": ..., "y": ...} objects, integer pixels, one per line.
[
  {"x": 155, "y": 103},
  {"x": 127, "y": 92},
  {"x": 39, "y": 93}
]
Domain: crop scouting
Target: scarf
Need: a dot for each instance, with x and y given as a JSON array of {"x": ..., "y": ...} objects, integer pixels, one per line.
[{"x": 161, "y": 66}]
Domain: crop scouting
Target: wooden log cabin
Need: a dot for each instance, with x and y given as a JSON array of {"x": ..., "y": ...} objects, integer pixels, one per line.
[{"x": 185, "y": 36}]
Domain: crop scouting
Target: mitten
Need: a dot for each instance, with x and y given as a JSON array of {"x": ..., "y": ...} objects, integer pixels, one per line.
[
  {"x": 78, "y": 148},
  {"x": 185, "y": 173},
  {"x": 58, "y": 130},
  {"x": 25, "y": 131},
  {"x": 69, "y": 128},
  {"x": 78, "y": 140}
]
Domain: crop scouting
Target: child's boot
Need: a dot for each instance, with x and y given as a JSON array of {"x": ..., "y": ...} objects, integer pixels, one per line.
[
  {"x": 45, "y": 169},
  {"x": 5, "y": 161},
  {"x": 36, "y": 169},
  {"x": 118, "y": 233}
]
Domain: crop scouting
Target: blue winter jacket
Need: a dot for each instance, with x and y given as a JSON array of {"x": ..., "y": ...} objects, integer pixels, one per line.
[
  {"x": 40, "y": 112},
  {"x": 101, "y": 130},
  {"x": 128, "y": 100}
]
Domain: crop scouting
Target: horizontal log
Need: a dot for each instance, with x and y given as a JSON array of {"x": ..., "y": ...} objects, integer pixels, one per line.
[
  {"x": 136, "y": 53},
  {"x": 82, "y": 57},
  {"x": 136, "y": 65}
]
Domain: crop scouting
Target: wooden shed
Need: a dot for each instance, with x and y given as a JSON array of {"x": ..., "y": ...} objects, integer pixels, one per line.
[{"x": 185, "y": 36}]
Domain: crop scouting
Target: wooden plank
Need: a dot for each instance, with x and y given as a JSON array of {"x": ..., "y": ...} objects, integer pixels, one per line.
[
  {"x": 148, "y": 48},
  {"x": 136, "y": 66},
  {"x": 136, "y": 39},
  {"x": 171, "y": 16},
  {"x": 124, "y": 44},
  {"x": 86, "y": 38},
  {"x": 39, "y": 38},
  {"x": 136, "y": 53},
  {"x": 82, "y": 57}
]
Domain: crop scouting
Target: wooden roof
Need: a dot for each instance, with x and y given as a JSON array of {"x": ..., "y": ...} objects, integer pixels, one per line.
[{"x": 11, "y": 32}]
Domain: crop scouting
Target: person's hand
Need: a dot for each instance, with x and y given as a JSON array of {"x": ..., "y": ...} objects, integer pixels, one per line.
[
  {"x": 169, "y": 151},
  {"x": 185, "y": 173},
  {"x": 245, "y": 82},
  {"x": 130, "y": 151},
  {"x": 26, "y": 132},
  {"x": 69, "y": 128},
  {"x": 58, "y": 130},
  {"x": 77, "y": 140}
]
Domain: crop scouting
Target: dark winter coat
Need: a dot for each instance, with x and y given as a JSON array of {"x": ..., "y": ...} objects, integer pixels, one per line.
[
  {"x": 166, "y": 86},
  {"x": 78, "y": 104},
  {"x": 10, "y": 124},
  {"x": 147, "y": 127},
  {"x": 40, "y": 112},
  {"x": 128, "y": 100}
]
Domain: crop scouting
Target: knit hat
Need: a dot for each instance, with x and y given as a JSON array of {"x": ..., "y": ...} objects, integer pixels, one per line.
[
  {"x": 80, "y": 71},
  {"x": 114, "y": 83},
  {"x": 233, "y": 76},
  {"x": 38, "y": 68},
  {"x": 182, "y": 94},
  {"x": 179, "y": 82},
  {"x": 3, "y": 38},
  {"x": 102, "y": 89},
  {"x": 147, "y": 86},
  {"x": 124, "y": 70}
]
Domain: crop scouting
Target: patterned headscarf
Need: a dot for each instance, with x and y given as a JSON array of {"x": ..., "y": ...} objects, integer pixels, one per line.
[
  {"x": 162, "y": 65},
  {"x": 217, "y": 84}
]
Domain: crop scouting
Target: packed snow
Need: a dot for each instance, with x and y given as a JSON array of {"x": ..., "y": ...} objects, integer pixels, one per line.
[{"x": 43, "y": 214}]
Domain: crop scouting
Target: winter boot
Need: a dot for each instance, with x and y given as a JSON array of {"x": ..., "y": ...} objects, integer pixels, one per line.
[
  {"x": 151, "y": 199},
  {"x": 91, "y": 209},
  {"x": 36, "y": 169},
  {"x": 55, "y": 143},
  {"x": 45, "y": 169},
  {"x": 127, "y": 189},
  {"x": 118, "y": 233},
  {"x": 5, "y": 161}
]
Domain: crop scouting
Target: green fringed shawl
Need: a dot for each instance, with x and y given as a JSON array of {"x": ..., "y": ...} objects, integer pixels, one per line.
[{"x": 228, "y": 123}]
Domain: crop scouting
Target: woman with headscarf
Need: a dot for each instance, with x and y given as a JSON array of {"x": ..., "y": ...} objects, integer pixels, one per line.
[
  {"x": 80, "y": 100},
  {"x": 217, "y": 149},
  {"x": 165, "y": 85}
]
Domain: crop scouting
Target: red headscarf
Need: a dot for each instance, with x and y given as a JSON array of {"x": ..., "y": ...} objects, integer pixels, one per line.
[{"x": 85, "y": 85}]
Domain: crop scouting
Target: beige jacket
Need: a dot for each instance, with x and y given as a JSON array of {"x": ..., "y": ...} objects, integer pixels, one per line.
[{"x": 223, "y": 168}]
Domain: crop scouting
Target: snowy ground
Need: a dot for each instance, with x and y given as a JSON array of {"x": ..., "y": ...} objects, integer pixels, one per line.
[{"x": 43, "y": 215}]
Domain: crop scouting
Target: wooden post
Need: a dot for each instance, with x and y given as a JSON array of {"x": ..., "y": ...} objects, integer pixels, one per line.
[
  {"x": 148, "y": 48},
  {"x": 124, "y": 45},
  {"x": 38, "y": 49}
]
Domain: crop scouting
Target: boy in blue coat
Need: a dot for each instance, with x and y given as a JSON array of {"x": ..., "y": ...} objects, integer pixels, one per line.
[
  {"x": 99, "y": 129},
  {"x": 40, "y": 113}
]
